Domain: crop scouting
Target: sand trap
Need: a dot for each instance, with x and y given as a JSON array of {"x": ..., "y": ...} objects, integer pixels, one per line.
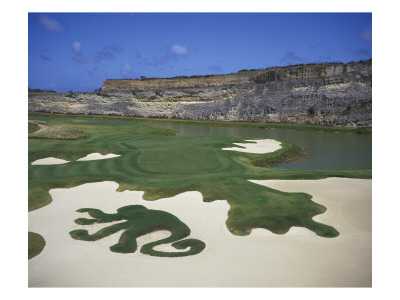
[
  {"x": 97, "y": 156},
  {"x": 58, "y": 161},
  {"x": 262, "y": 259},
  {"x": 49, "y": 161},
  {"x": 257, "y": 146}
]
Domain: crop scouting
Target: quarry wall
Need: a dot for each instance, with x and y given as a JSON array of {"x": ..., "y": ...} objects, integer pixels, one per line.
[{"x": 324, "y": 94}]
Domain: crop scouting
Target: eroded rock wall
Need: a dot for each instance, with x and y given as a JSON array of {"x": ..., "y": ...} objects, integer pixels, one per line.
[{"x": 341, "y": 95}]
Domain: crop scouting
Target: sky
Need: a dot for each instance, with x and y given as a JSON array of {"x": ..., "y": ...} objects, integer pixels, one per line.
[{"x": 78, "y": 51}]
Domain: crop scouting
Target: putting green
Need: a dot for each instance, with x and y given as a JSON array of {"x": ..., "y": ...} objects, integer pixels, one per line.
[{"x": 163, "y": 164}]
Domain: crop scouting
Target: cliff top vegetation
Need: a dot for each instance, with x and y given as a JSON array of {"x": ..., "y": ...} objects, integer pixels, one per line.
[{"x": 144, "y": 78}]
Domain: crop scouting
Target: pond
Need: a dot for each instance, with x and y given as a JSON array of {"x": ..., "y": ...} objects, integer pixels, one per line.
[{"x": 326, "y": 150}]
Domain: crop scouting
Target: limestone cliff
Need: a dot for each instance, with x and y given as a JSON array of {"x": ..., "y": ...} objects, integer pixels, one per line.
[{"x": 323, "y": 94}]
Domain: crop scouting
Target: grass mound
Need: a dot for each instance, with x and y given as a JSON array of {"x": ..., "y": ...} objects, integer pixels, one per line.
[
  {"x": 33, "y": 125},
  {"x": 288, "y": 153},
  {"x": 139, "y": 221},
  {"x": 36, "y": 244},
  {"x": 59, "y": 133}
]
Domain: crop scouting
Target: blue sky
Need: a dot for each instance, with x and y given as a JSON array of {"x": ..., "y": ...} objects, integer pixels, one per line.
[{"x": 78, "y": 51}]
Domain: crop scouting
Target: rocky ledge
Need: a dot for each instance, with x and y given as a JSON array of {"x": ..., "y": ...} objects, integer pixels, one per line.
[{"x": 326, "y": 94}]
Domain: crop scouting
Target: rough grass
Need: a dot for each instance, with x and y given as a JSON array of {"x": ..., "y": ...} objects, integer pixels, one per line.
[
  {"x": 37, "y": 122},
  {"x": 36, "y": 244},
  {"x": 59, "y": 133}
]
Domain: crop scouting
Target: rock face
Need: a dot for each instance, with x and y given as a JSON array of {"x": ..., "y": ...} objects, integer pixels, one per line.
[{"x": 325, "y": 94}]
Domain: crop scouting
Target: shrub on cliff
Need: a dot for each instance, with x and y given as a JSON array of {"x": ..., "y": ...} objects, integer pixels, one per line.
[
  {"x": 39, "y": 91},
  {"x": 311, "y": 111},
  {"x": 266, "y": 77}
]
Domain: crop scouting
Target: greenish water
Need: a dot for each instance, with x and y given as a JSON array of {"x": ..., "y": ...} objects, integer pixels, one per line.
[{"x": 326, "y": 150}]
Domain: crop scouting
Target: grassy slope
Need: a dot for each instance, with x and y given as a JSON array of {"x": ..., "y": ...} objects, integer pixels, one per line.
[
  {"x": 163, "y": 165},
  {"x": 60, "y": 133}
]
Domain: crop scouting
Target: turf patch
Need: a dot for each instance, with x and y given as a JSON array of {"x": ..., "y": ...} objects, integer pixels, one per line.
[
  {"x": 138, "y": 221},
  {"x": 36, "y": 244}
]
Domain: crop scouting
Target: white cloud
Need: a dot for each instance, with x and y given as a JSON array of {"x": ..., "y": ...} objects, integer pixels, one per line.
[
  {"x": 172, "y": 53},
  {"x": 76, "y": 47},
  {"x": 126, "y": 71},
  {"x": 50, "y": 24},
  {"x": 107, "y": 52},
  {"x": 178, "y": 50}
]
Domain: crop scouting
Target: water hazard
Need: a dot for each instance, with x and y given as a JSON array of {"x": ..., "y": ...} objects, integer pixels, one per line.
[{"x": 326, "y": 150}]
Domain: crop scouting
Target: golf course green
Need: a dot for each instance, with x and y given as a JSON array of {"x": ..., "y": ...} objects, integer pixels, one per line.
[{"x": 163, "y": 163}]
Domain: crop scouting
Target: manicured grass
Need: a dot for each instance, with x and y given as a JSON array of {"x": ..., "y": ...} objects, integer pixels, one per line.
[
  {"x": 36, "y": 244},
  {"x": 32, "y": 127},
  {"x": 139, "y": 221},
  {"x": 341, "y": 129},
  {"x": 162, "y": 164}
]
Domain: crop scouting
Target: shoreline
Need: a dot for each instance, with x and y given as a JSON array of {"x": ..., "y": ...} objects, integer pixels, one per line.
[
  {"x": 261, "y": 146},
  {"x": 306, "y": 127}
]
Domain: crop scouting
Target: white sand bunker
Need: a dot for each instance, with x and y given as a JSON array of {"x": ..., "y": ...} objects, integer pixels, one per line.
[
  {"x": 58, "y": 161},
  {"x": 262, "y": 259},
  {"x": 50, "y": 161},
  {"x": 97, "y": 156},
  {"x": 257, "y": 146}
]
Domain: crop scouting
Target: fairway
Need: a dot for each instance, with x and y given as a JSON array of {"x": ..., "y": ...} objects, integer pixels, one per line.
[
  {"x": 162, "y": 164},
  {"x": 200, "y": 149},
  {"x": 175, "y": 155}
]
